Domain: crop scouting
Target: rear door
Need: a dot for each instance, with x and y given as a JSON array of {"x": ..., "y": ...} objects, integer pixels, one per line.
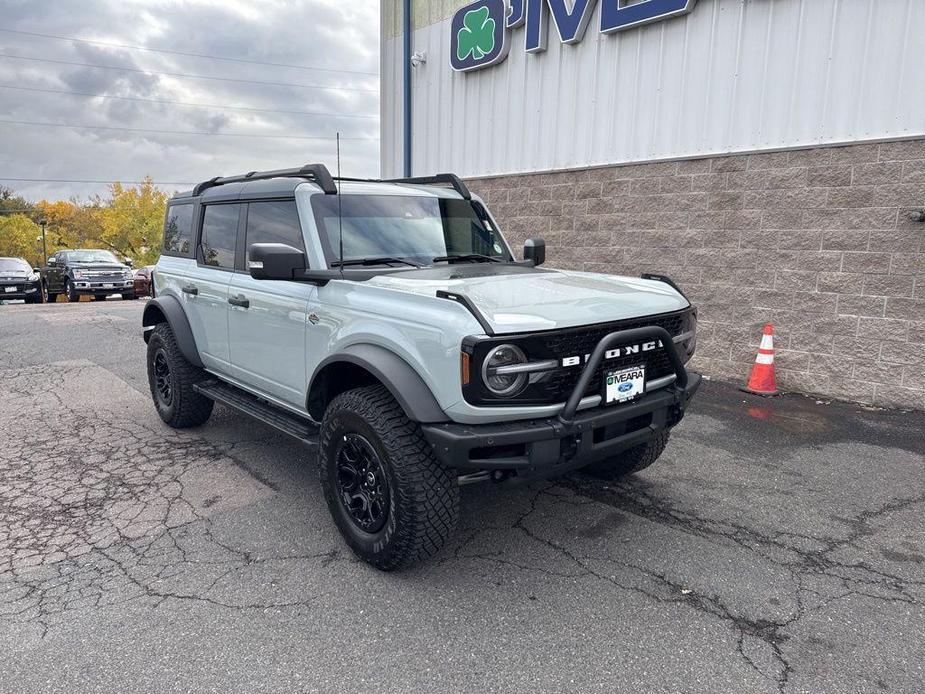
[
  {"x": 205, "y": 286},
  {"x": 267, "y": 320},
  {"x": 54, "y": 275}
]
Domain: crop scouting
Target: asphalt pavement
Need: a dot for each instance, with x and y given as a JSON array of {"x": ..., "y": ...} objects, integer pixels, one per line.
[{"x": 777, "y": 546}]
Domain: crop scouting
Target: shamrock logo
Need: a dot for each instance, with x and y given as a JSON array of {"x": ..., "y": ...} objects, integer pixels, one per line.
[{"x": 477, "y": 35}]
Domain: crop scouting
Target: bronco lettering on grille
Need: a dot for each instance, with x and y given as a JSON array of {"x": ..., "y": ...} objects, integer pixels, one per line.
[{"x": 615, "y": 352}]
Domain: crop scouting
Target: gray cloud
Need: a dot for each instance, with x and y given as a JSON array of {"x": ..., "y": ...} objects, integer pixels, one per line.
[{"x": 321, "y": 33}]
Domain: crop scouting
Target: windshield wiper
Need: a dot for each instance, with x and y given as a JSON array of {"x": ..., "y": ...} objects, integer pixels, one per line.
[
  {"x": 384, "y": 260},
  {"x": 474, "y": 257}
]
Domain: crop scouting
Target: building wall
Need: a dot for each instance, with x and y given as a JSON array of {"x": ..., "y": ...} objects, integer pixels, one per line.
[
  {"x": 730, "y": 76},
  {"x": 709, "y": 146},
  {"x": 820, "y": 242}
]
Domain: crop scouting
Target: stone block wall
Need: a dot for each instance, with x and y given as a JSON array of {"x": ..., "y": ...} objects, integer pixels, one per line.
[{"x": 823, "y": 243}]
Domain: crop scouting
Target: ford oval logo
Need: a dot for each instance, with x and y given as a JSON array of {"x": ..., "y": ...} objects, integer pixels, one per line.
[{"x": 624, "y": 387}]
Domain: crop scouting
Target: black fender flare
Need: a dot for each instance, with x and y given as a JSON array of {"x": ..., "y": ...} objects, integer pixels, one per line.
[
  {"x": 396, "y": 374},
  {"x": 169, "y": 309}
]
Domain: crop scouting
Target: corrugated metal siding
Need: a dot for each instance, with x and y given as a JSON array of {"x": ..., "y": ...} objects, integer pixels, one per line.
[{"x": 731, "y": 76}]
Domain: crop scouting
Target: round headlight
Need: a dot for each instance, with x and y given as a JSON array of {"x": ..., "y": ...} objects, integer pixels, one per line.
[{"x": 504, "y": 383}]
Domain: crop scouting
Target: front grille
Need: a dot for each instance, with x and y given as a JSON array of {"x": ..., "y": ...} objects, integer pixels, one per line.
[
  {"x": 557, "y": 385},
  {"x": 582, "y": 341},
  {"x": 102, "y": 274}
]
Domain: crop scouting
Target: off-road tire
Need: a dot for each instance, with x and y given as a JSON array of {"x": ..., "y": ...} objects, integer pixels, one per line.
[
  {"x": 72, "y": 295},
  {"x": 50, "y": 297},
  {"x": 186, "y": 408},
  {"x": 630, "y": 461},
  {"x": 423, "y": 495},
  {"x": 128, "y": 296}
]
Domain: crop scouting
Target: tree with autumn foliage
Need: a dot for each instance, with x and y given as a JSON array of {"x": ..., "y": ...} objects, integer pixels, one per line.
[
  {"x": 132, "y": 221},
  {"x": 20, "y": 237},
  {"x": 128, "y": 221}
]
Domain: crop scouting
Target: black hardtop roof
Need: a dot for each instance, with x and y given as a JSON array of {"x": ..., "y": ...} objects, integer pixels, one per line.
[{"x": 283, "y": 182}]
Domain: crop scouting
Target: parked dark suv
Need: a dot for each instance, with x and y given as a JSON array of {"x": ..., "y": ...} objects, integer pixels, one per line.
[
  {"x": 19, "y": 281},
  {"x": 95, "y": 273}
]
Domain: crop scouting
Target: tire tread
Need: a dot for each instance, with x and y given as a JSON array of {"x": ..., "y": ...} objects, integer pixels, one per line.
[
  {"x": 426, "y": 491},
  {"x": 192, "y": 409}
]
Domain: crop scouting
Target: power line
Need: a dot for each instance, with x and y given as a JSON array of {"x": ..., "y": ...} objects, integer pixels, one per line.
[
  {"x": 185, "y": 103},
  {"x": 184, "y": 53},
  {"x": 188, "y": 75},
  {"x": 72, "y": 180},
  {"x": 181, "y": 132}
]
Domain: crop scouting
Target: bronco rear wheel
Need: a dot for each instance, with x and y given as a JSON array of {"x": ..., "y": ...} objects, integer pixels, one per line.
[
  {"x": 392, "y": 501},
  {"x": 171, "y": 379}
]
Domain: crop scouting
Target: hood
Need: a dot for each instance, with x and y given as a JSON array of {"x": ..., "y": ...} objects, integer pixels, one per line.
[{"x": 519, "y": 299}]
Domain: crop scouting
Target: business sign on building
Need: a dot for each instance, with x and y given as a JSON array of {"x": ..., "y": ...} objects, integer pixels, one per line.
[{"x": 481, "y": 30}]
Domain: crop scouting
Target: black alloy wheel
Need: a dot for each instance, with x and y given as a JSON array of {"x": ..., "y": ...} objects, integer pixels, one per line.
[
  {"x": 362, "y": 483},
  {"x": 162, "y": 386}
]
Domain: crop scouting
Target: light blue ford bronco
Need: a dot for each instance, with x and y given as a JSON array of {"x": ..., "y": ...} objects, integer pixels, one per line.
[{"x": 389, "y": 324}]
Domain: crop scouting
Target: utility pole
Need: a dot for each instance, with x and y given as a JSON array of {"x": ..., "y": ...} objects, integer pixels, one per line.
[{"x": 42, "y": 223}]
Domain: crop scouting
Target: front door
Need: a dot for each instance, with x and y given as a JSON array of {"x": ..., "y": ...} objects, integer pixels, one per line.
[{"x": 268, "y": 319}]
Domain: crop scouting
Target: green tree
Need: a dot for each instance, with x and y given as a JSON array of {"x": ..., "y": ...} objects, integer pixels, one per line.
[{"x": 12, "y": 203}]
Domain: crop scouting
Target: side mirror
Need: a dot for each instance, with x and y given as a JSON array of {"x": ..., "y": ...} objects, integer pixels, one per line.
[
  {"x": 535, "y": 250},
  {"x": 129, "y": 262},
  {"x": 274, "y": 261},
  {"x": 52, "y": 261},
  {"x": 36, "y": 270}
]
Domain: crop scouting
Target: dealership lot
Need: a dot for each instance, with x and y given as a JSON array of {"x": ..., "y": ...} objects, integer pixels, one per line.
[{"x": 778, "y": 546}]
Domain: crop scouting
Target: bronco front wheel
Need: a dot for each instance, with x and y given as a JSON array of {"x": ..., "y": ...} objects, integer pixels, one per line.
[{"x": 392, "y": 501}]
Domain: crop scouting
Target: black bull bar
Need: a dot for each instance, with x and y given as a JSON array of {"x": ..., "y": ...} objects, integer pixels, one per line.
[{"x": 550, "y": 446}]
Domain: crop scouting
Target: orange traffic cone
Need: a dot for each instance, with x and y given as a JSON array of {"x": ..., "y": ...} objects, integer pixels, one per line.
[{"x": 762, "y": 381}]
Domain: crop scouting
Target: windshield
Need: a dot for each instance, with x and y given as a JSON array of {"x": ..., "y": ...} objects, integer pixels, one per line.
[
  {"x": 92, "y": 257},
  {"x": 414, "y": 228},
  {"x": 13, "y": 265}
]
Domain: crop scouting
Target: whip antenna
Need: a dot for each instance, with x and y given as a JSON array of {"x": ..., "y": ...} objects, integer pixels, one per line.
[{"x": 340, "y": 211}]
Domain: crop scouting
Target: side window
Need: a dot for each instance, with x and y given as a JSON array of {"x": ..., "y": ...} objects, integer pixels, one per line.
[
  {"x": 178, "y": 229},
  {"x": 219, "y": 234},
  {"x": 274, "y": 222}
]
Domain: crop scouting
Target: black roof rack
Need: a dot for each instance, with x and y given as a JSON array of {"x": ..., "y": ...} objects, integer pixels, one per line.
[
  {"x": 316, "y": 172},
  {"x": 319, "y": 174},
  {"x": 452, "y": 179}
]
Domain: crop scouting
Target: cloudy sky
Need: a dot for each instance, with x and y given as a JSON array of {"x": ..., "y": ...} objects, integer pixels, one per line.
[{"x": 330, "y": 48}]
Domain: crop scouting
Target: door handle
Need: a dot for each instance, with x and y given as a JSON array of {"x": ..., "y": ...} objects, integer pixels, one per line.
[
  {"x": 190, "y": 289},
  {"x": 239, "y": 300}
]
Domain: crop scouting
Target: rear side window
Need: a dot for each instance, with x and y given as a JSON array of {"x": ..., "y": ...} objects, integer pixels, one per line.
[
  {"x": 219, "y": 235},
  {"x": 178, "y": 229},
  {"x": 274, "y": 222}
]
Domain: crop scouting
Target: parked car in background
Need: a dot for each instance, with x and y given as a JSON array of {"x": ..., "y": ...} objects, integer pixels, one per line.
[
  {"x": 19, "y": 281},
  {"x": 144, "y": 281},
  {"x": 90, "y": 272}
]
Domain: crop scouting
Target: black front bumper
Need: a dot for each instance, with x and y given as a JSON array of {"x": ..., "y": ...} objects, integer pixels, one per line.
[
  {"x": 547, "y": 447},
  {"x": 98, "y": 287},
  {"x": 22, "y": 290}
]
